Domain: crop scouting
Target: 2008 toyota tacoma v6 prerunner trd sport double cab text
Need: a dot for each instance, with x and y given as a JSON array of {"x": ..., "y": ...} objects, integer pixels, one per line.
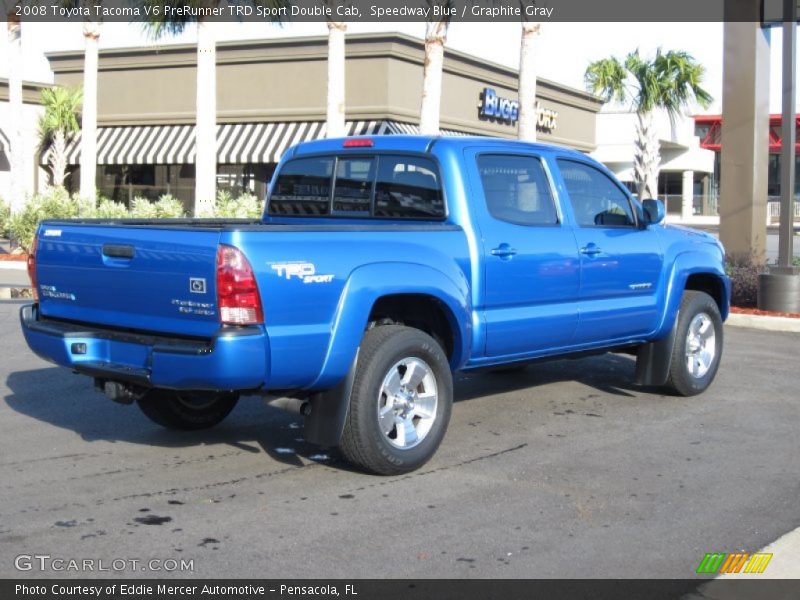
[{"x": 381, "y": 266}]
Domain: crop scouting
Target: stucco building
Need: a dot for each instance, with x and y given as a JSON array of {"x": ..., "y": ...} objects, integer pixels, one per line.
[{"x": 272, "y": 94}]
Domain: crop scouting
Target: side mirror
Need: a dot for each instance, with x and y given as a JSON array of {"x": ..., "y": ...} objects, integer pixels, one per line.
[{"x": 654, "y": 211}]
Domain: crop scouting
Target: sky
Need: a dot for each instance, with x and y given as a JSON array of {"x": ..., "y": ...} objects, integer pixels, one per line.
[{"x": 564, "y": 49}]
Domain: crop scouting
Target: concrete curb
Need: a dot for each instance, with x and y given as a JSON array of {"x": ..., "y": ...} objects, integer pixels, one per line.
[
  {"x": 13, "y": 265},
  {"x": 764, "y": 323}
]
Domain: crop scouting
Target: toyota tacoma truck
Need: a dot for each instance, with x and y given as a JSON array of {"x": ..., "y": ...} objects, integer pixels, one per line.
[{"x": 381, "y": 266}]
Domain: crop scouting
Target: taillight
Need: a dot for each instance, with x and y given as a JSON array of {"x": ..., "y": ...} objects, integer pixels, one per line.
[
  {"x": 32, "y": 267},
  {"x": 237, "y": 292}
]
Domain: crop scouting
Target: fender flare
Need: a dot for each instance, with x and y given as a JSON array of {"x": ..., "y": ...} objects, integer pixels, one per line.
[
  {"x": 654, "y": 359},
  {"x": 365, "y": 286}
]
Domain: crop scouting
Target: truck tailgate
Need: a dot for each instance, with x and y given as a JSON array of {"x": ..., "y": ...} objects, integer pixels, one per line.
[{"x": 145, "y": 278}]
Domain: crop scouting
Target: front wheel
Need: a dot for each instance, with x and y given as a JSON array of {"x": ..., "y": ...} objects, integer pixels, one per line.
[
  {"x": 186, "y": 411},
  {"x": 698, "y": 345},
  {"x": 400, "y": 403}
]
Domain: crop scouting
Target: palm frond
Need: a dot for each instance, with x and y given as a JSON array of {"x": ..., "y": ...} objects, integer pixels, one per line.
[{"x": 606, "y": 78}]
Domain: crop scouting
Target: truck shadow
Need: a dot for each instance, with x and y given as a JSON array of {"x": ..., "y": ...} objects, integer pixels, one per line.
[
  {"x": 608, "y": 373},
  {"x": 57, "y": 397}
]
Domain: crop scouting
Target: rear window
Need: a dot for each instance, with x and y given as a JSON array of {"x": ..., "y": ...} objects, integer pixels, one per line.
[
  {"x": 408, "y": 187},
  {"x": 303, "y": 188},
  {"x": 384, "y": 186}
]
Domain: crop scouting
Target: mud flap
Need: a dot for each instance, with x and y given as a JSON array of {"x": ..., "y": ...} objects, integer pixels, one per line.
[
  {"x": 325, "y": 424},
  {"x": 654, "y": 360}
]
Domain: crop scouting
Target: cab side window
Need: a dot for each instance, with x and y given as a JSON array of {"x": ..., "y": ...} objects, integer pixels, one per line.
[
  {"x": 596, "y": 200},
  {"x": 517, "y": 190}
]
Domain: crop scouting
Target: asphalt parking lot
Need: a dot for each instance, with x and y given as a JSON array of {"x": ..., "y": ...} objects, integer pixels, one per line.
[{"x": 564, "y": 470}]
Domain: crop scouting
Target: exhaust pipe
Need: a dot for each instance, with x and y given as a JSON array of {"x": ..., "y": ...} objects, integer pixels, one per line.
[
  {"x": 121, "y": 393},
  {"x": 293, "y": 405}
]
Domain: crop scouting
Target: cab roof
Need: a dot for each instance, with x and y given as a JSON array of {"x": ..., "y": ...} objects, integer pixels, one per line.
[{"x": 421, "y": 143}]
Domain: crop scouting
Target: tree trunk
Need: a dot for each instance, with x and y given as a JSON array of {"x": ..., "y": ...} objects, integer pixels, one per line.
[
  {"x": 336, "y": 79},
  {"x": 57, "y": 157},
  {"x": 646, "y": 159},
  {"x": 435, "y": 37},
  {"x": 206, "y": 125},
  {"x": 16, "y": 154},
  {"x": 528, "y": 117},
  {"x": 91, "y": 35}
]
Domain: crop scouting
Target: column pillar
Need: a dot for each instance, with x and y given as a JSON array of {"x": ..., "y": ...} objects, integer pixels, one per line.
[
  {"x": 706, "y": 188},
  {"x": 745, "y": 139},
  {"x": 687, "y": 196}
]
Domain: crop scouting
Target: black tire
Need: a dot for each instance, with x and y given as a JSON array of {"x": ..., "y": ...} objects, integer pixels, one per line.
[
  {"x": 387, "y": 350},
  {"x": 695, "y": 305},
  {"x": 186, "y": 411}
]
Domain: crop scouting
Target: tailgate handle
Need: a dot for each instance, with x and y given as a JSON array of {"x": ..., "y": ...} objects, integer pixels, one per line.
[{"x": 118, "y": 250}]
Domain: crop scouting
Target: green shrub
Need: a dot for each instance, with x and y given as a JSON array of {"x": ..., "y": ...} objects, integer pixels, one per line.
[
  {"x": 169, "y": 207},
  {"x": 142, "y": 208},
  {"x": 108, "y": 209},
  {"x": 55, "y": 203},
  {"x": 744, "y": 271},
  {"x": 5, "y": 214},
  {"x": 246, "y": 206}
]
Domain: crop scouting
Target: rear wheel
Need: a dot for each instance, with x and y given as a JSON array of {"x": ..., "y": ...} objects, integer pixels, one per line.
[
  {"x": 698, "y": 345},
  {"x": 187, "y": 411},
  {"x": 400, "y": 403}
]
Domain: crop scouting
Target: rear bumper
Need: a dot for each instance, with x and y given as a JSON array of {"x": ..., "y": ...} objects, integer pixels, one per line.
[{"x": 236, "y": 359}]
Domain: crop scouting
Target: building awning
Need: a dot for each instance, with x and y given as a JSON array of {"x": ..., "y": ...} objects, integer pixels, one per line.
[
  {"x": 237, "y": 143},
  {"x": 5, "y": 145}
]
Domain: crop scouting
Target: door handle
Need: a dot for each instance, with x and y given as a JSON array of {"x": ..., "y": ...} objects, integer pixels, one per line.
[
  {"x": 591, "y": 249},
  {"x": 118, "y": 250},
  {"x": 504, "y": 251}
]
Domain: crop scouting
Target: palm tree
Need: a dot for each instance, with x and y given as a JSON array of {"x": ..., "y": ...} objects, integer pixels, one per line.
[
  {"x": 205, "y": 99},
  {"x": 336, "y": 79},
  {"x": 158, "y": 25},
  {"x": 91, "y": 36},
  {"x": 16, "y": 199},
  {"x": 526, "y": 129},
  {"x": 670, "y": 82},
  {"x": 435, "y": 38},
  {"x": 60, "y": 118}
]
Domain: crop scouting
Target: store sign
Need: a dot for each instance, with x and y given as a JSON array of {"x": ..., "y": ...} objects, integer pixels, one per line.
[
  {"x": 493, "y": 106},
  {"x": 496, "y": 108}
]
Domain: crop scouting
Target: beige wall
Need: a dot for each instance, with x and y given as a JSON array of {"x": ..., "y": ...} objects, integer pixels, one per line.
[{"x": 285, "y": 80}]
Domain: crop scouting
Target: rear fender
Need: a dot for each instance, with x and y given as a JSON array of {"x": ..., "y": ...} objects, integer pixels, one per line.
[{"x": 369, "y": 283}]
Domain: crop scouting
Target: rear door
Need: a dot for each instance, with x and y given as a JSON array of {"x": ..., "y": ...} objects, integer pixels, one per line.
[
  {"x": 621, "y": 263},
  {"x": 531, "y": 266},
  {"x": 146, "y": 278}
]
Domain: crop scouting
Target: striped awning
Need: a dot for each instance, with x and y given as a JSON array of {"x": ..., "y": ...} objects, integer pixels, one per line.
[
  {"x": 398, "y": 128},
  {"x": 237, "y": 143},
  {"x": 5, "y": 144}
]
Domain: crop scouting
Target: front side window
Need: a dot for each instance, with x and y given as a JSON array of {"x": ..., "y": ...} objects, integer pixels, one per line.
[
  {"x": 303, "y": 188},
  {"x": 596, "y": 200},
  {"x": 517, "y": 190}
]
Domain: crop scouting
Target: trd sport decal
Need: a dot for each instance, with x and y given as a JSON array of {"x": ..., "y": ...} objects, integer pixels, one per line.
[{"x": 304, "y": 271}]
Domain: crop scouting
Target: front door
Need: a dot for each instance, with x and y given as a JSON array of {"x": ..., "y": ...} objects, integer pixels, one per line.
[{"x": 621, "y": 263}]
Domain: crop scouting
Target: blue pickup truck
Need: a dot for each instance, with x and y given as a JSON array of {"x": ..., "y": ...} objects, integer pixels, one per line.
[{"x": 381, "y": 266}]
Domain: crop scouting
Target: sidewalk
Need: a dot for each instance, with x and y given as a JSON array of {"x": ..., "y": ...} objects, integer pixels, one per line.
[{"x": 13, "y": 274}]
